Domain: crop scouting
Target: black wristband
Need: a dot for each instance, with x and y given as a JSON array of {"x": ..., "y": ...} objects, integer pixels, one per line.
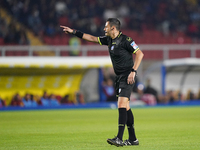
[
  {"x": 133, "y": 70},
  {"x": 78, "y": 33}
]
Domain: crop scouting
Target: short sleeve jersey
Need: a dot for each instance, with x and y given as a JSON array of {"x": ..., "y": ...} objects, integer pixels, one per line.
[{"x": 120, "y": 49}]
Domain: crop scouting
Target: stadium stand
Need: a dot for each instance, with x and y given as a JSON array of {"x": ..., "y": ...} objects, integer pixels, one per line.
[{"x": 167, "y": 21}]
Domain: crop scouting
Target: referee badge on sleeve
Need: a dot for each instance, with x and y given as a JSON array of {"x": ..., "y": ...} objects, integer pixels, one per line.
[{"x": 134, "y": 45}]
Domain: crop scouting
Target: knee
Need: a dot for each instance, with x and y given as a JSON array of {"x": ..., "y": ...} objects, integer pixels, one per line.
[
  {"x": 122, "y": 102},
  {"x": 121, "y": 105}
]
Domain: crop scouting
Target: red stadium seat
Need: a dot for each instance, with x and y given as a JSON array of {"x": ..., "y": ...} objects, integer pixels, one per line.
[
  {"x": 153, "y": 54},
  {"x": 56, "y": 40},
  {"x": 1, "y": 41},
  {"x": 198, "y": 53},
  {"x": 48, "y": 40},
  {"x": 179, "y": 54},
  {"x": 10, "y": 53},
  {"x": 64, "y": 53},
  {"x": 64, "y": 40}
]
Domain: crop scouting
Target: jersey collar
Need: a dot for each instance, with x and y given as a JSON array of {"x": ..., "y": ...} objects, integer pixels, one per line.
[{"x": 120, "y": 33}]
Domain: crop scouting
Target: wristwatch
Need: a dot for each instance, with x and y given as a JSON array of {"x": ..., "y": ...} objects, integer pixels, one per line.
[
  {"x": 74, "y": 31},
  {"x": 133, "y": 70}
]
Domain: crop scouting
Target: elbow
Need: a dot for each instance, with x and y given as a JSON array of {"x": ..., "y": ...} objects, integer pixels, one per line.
[{"x": 142, "y": 55}]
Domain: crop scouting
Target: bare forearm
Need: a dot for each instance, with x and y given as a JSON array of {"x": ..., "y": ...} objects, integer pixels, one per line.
[
  {"x": 138, "y": 58},
  {"x": 90, "y": 38}
]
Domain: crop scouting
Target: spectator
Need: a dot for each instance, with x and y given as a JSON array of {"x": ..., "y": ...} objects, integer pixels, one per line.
[
  {"x": 74, "y": 44},
  {"x": 79, "y": 97},
  {"x": 28, "y": 102},
  {"x": 198, "y": 95},
  {"x": 149, "y": 99},
  {"x": 109, "y": 90},
  {"x": 193, "y": 31},
  {"x": 50, "y": 30},
  {"x": 17, "y": 101},
  {"x": 53, "y": 101},
  {"x": 23, "y": 39},
  {"x": 171, "y": 96},
  {"x": 150, "y": 90},
  {"x": 12, "y": 35},
  {"x": 34, "y": 102},
  {"x": 2, "y": 103},
  {"x": 34, "y": 21},
  {"x": 44, "y": 100},
  {"x": 3, "y": 27},
  {"x": 139, "y": 91},
  {"x": 66, "y": 100},
  {"x": 190, "y": 95}
]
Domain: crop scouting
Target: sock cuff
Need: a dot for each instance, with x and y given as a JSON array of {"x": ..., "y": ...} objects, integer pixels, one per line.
[
  {"x": 129, "y": 110},
  {"x": 121, "y": 109}
]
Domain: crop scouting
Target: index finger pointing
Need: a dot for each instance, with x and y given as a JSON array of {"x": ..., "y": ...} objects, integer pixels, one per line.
[{"x": 62, "y": 26}]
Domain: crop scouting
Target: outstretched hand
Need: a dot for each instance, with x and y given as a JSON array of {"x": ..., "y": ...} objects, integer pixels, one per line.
[{"x": 67, "y": 29}]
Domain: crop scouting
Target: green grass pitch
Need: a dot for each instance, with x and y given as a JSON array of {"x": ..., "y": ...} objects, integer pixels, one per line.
[{"x": 157, "y": 128}]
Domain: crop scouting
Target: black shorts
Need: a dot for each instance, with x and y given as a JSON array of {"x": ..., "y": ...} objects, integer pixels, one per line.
[{"x": 122, "y": 88}]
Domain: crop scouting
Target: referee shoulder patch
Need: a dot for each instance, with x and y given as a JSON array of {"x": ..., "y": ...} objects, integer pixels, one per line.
[{"x": 128, "y": 39}]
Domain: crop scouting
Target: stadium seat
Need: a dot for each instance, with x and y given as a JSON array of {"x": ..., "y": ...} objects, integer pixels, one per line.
[
  {"x": 64, "y": 53},
  {"x": 198, "y": 53},
  {"x": 179, "y": 54},
  {"x": 56, "y": 40},
  {"x": 153, "y": 54},
  {"x": 47, "y": 40},
  {"x": 64, "y": 40},
  {"x": 9, "y": 53},
  {"x": 1, "y": 41}
]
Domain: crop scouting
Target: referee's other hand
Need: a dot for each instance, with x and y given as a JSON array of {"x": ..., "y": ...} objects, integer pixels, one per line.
[
  {"x": 67, "y": 29},
  {"x": 131, "y": 78}
]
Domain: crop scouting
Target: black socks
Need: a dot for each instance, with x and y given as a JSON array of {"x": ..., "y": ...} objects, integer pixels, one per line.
[
  {"x": 121, "y": 122},
  {"x": 126, "y": 117},
  {"x": 130, "y": 125}
]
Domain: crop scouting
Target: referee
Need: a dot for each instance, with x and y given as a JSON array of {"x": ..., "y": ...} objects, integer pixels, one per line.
[{"x": 120, "y": 48}]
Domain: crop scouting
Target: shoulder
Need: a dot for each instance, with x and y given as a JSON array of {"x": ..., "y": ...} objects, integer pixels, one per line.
[
  {"x": 104, "y": 37},
  {"x": 103, "y": 40},
  {"x": 126, "y": 39}
]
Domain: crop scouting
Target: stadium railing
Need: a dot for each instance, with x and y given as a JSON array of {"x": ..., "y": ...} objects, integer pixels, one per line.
[{"x": 151, "y": 51}]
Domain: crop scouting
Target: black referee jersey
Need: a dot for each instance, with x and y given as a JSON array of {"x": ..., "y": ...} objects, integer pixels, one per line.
[{"x": 120, "y": 49}]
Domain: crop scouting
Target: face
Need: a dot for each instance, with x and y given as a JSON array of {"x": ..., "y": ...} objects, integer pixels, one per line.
[{"x": 107, "y": 29}]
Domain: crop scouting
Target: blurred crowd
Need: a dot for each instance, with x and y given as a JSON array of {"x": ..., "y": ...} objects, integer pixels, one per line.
[
  {"x": 46, "y": 100},
  {"x": 145, "y": 93},
  {"x": 44, "y": 17},
  {"x": 11, "y": 34}
]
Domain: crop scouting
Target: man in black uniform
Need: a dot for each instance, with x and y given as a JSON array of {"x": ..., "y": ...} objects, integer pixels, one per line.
[{"x": 121, "y": 48}]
